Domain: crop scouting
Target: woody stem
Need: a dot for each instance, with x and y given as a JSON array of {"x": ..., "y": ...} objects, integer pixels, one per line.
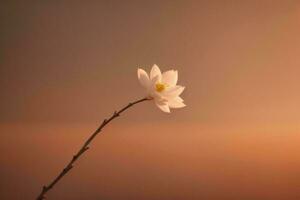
[{"x": 84, "y": 148}]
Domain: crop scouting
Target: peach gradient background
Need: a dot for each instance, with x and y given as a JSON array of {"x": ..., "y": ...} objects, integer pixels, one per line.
[{"x": 65, "y": 66}]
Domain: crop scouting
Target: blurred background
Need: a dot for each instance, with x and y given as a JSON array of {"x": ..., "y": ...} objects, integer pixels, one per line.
[{"x": 67, "y": 65}]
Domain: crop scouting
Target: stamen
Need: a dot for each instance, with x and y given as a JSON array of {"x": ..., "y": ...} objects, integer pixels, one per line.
[{"x": 160, "y": 87}]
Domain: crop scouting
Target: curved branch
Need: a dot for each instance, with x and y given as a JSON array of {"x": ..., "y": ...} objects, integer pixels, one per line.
[{"x": 84, "y": 148}]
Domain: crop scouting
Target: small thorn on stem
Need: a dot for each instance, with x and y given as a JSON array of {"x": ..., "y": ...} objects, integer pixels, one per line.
[
  {"x": 86, "y": 148},
  {"x": 67, "y": 168},
  {"x": 103, "y": 124},
  {"x": 116, "y": 114}
]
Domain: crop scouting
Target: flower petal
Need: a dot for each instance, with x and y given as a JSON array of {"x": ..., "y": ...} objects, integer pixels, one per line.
[
  {"x": 173, "y": 91},
  {"x": 155, "y": 71},
  {"x": 143, "y": 78},
  {"x": 170, "y": 77},
  {"x": 157, "y": 96},
  {"x": 176, "y": 103},
  {"x": 163, "y": 106},
  {"x": 151, "y": 89},
  {"x": 179, "y": 99},
  {"x": 154, "y": 80}
]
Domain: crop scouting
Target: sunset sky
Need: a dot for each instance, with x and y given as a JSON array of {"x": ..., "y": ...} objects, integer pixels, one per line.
[{"x": 65, "y": 66}]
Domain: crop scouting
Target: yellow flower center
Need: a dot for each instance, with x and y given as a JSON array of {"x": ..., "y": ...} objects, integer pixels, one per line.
[{"x": 160, "y": 87}]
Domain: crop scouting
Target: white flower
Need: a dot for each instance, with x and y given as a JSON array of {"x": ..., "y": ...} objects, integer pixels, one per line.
[{"x": 162, "y": 88}]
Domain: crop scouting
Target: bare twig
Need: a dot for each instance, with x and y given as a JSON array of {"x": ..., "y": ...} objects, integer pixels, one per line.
[{"x": 83, "y": 149}]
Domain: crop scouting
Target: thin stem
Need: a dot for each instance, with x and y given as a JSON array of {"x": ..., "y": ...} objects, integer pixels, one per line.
[{"x": 84, "y": 148}]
